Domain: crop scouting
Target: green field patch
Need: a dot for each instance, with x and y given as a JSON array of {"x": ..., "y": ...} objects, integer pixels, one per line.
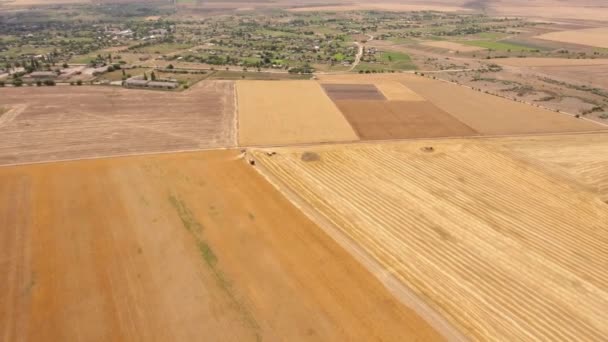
[
  {"x": 210, "y": 258},
  {"x": 25, "y": 50},
  {"x": 497, "y": 46},
  {"x": 491, "y": 35}
]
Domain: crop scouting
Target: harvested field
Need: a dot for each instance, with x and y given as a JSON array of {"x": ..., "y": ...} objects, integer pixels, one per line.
[
  {"x": 550, "y": 62},
  {"x": 395, "y": 91},
  {"x": 592, "y": 72},
  {"x": 493, "y": 115},
  {"x": 592, "y": 37},
  {"x": 453, "y": 46},
  {"x": 58, "y": 123},
  {"x": 556, "y": 9},
  {"x": 593, "y": 75},
  {"x": 352, "y": 92},
  {"x": 400, "y": 120},
  {"x": 380, "y": 7},
  {"x": 485, "y": 114},
  {"x": 501, "y": 249},
  {"x": 272, "y": 113},
  {"x": 580, "y": 157},
  {"x": 143, "y": 248}
]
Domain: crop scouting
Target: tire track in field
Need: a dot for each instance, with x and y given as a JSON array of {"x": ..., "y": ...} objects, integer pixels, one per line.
[{"x": 11, "y": 114}]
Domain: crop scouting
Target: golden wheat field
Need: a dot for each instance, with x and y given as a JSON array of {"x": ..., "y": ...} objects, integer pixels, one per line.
[
  {"x": 272, "y": 113},
  {"x": 499, "y": 248},
  {"x": 582, "y": 157}
]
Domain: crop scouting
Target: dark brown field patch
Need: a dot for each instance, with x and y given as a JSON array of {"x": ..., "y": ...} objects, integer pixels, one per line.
[
  {"x": 377, "y": 120},
  {"x": 353, "y": 92}
]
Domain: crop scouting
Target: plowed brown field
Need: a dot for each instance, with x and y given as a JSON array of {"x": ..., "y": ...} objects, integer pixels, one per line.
[
  {"x": 503, "y": 250},
  {"x": 181, "y": 247},
  {"x": 401, "y": 120},
  {"x": 352, "y": 92},
  {"x": 486, "y": 114},
  {"x": 57, "y": 123}
]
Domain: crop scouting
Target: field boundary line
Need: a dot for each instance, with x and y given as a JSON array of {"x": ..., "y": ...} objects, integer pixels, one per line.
[
  {"x": 236, "y": 115},
  {"x": 123, "y": 155},
  {"x": 313, "y": 144},
  {"x": 401, "y": 292},
  {"x": 397, "y": 140}
]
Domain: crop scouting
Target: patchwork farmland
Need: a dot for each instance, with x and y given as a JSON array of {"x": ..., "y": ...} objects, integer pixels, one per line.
[
  {"x": 351, "y": 207},
  {"x": 483, "y": 113}
]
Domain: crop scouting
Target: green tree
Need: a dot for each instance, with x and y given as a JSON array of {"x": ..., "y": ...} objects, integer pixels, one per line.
[{"x": 153, "y": 76}]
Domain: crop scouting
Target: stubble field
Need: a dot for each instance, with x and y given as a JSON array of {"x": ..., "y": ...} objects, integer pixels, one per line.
[
  {"x": 287, "y": 112},
  {"x": 58, "y": 123},
  {"x": 185, "y": 246},
  {"x": 551, "y": 62},
  {"x": 484, "y": 239},
  {"x": 580, "y": 157},
  {"x": 597, "y": 37}
]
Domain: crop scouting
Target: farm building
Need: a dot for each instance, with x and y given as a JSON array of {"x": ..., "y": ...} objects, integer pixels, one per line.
[
  {"x": 42, "y": 75},
  {"x": 135, "y": 83},
  {"x": 162, "y": 85},
  {"x": 159, "y": 84}
]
